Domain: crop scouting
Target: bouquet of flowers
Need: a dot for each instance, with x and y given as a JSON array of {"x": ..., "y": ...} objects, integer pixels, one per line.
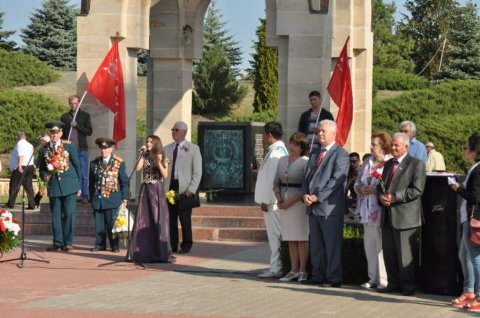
[
  {"x": 9, "y": 229},
  {"x": 58, "y": 161},
  {"x": 377, "y": 175},
  {"x": 121, "y": 226},
  {"x": 171, "y": 196}
]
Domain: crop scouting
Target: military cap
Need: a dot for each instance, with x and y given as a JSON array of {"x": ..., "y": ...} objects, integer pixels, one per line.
[
  {"x": 54, "y": 126},
  {"x": 104, "y": 142}
]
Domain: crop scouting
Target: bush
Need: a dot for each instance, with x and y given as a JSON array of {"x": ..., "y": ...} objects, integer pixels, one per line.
[
  {"x": 263, "y": 117},
  {"x": 396, "y": 80},
  {"x": 445, "y": 114},
  {"x": 19, "y": 69},
  {"x": 27, "y": 112}
]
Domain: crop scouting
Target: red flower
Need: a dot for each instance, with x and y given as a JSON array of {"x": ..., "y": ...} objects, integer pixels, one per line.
[
  {"x": 7, "y": 218},
  {"x": 15, "y": 220},
  {"x": 377, "y": 175},
  {"x": 2, "y": 211},
  {"x": 3, "y": 228}
]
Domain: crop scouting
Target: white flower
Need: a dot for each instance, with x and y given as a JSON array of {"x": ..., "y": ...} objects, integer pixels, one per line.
[{"x": 50, "y": 167}]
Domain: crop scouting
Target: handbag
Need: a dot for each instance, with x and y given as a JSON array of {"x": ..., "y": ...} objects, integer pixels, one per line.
[
  {"x": 474, "y": 226},
  {"x": 185, "y": 203}
]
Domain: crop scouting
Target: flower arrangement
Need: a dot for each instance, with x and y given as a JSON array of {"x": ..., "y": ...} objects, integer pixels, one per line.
[
  {"x": 57, "y": 161},
  {"x": 171, "y": 196},
  {"x": 185, "y": 148},
  {"x": 377, "y": 175},
  {"x": 121, "y": 226},
  {"x": 9, "y": 229}
]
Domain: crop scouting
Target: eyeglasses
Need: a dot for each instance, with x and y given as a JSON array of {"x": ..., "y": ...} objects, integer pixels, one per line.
[{"x": 175, "y": 129}]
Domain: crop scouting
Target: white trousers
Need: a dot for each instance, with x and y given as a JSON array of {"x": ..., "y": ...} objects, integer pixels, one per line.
[
  {"x": 272, "y": 222},
  {"x": 372, "y": 242}
]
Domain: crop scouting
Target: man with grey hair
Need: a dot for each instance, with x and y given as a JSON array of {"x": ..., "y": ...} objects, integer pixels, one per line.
[
  {"x": 417, "y": 148},
  {"x": 324, "y": 187},
  {"x": 400, "y": 193},
  {"x": 184, "y": 175},
  {"x": 21, "y": 163}
]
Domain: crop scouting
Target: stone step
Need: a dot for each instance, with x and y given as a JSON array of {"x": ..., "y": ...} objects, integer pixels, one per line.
[
  {"x": 209, "y": 222},
  {"x": 228, "y": 222}
]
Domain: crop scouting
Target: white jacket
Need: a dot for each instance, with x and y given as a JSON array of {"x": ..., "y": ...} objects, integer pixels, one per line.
[{"x": 188, "y": 166}]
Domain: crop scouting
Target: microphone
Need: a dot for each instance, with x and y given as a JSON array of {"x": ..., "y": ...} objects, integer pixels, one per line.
[{"x": 142, "y": 149}]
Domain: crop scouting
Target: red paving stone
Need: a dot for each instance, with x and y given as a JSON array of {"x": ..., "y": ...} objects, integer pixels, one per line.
[{"x": 68, "y": 273}]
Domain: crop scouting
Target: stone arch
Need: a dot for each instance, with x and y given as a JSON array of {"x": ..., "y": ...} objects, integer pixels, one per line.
[{"x": 173, "y": 31}]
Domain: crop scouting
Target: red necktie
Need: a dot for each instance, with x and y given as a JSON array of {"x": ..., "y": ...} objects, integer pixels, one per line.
[
  {"x": 319, "y": 159},
  {"x": 175, "y": 153},
  {"x": 390, "y": 174}
]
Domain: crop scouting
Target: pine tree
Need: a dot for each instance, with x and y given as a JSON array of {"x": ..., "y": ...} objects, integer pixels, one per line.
[
  {"x": 5, "y": 44},
  {"x": 264, "y": 71},
  {"x": 52, "y": 34},
  {"x": 215, "y": 33},
  {"x": 462, "y": 56},
  {"x": 427, "y": 25},
  {"x": 215, "y": 86},
  {"x": 214, "y": 77},
  {"x": 390, "y": 49}
]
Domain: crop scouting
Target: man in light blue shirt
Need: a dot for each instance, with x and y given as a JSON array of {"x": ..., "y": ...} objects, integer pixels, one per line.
[{"x": 417, "y": 148}]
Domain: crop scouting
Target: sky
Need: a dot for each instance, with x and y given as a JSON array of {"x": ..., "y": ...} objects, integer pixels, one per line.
[{"x": 242, "y": 18}]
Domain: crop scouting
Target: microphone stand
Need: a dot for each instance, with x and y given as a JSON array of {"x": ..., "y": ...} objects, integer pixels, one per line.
[
  {"x": 128, "y": 258},
  {"x": 23, "y": 253}
]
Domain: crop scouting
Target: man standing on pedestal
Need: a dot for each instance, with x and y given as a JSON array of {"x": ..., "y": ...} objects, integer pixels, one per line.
[
  {"x": 264, "y": 195},
  {"x": 60, "y": 167},
  {"x": 183, "y": 178},
  {"x": 77, "y": 131}
]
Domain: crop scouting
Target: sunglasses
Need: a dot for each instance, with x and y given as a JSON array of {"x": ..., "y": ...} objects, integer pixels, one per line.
[{"x": 175, "y": 129}]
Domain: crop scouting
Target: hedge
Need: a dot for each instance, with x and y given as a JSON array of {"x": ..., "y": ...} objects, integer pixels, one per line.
[
  {"x": 445, "y": 114},
  {"x": 396, "y": 80},
  {"x": 19, "y": 69}
]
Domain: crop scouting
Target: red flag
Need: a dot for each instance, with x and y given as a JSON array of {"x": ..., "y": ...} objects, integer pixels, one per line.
[
  {"x": 107, "y": 86},
  {"x": 340, "y": 89}
]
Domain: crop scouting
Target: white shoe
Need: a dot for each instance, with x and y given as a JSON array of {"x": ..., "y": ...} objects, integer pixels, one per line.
[
  {"x": 269, "y": 274},
  {"x": 302, "y": 277},
  {"x": 290, "y": 276}
]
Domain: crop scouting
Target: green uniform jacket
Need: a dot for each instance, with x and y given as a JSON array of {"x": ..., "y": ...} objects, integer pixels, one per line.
[
  {"x": 65, "y": 183},
  {"x": 108, "y": 185}
]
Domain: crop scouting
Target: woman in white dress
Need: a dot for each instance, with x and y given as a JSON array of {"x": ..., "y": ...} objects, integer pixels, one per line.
[
  {"x": 367, "y": 205},
  {"x": 293, "y": 219}
]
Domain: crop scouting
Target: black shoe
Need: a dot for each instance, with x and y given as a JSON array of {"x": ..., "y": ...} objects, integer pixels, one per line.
[
  {"x": 183, "y": 251},
  {"x": 96, "y": 249},
  {"x": 31, "y": 208},
  {"x": 115, "y": 250},
  {"x": 408, "y": 292},
  {"x": 9, "y": 206},
  {"x": 53, "y": 248},
  {"x": 388, "y": 289},
  {"x": 331, "y": 285}
]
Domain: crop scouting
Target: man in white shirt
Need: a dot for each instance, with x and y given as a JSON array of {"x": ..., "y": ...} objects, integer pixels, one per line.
[
  {"x": 265, "y": 196},
  {"x": 21, "y": 163}
]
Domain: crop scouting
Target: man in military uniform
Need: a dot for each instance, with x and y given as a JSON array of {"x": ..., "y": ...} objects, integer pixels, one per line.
[
  {"x": 59, "y": 166},
  {"x": 108, "y": 186}
]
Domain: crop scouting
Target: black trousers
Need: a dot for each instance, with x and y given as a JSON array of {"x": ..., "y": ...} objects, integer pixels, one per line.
[
  {"x": 16, "y": 181},
  {"x": 185, "y": 217}
]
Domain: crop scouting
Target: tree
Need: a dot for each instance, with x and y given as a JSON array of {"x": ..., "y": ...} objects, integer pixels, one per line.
[
  {"x": 427, "y": 25},
  {"x": 264, "y": 71},
  {"x": 51, "y": 35},
  {"x": 391, "y": 49},
  {"x": 462, "y": 56},
  {"x": 215, "y": 86},
  {"x": 142, "y": 66},
  {"x": 4, "y": 35},
  {"x": 215, "y": 33}
]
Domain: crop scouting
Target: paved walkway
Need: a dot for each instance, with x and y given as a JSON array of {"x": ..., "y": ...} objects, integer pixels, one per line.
[{"x": 215, "y": 280}]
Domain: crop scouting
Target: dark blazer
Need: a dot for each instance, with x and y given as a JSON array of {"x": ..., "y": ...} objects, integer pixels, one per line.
[
  {"x": 113, "y": 201},
  {"x": 407, "y": 185},
  {"x": 303, "y": 123},
  {"x": 67, "y": 182},
  {"x": 328, "y": 183},
  {"x": 472, "y": 192},
  {"x": 84, "y": 127}
]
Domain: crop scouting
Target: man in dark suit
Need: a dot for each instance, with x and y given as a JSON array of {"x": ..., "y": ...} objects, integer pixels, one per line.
[
  {"x": 308, "y": 120},
  {"x": 77, "y": 128},
  {"x": 403, "y": 183},
  {"x": 108, "y": 184},
  {"x": 184, "y": 175},
  {"x": 324, "y": 195},
  {"x": 60, "y": 167}
]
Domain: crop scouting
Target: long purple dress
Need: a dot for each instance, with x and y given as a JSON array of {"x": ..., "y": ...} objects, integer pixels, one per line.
[{"x": 151, "y": 235}]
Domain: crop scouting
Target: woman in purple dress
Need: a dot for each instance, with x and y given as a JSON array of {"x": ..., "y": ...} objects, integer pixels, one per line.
[{"x": 150, "y": 236}]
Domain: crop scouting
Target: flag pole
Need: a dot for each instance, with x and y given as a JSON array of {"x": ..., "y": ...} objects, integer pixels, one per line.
[{"x": 76, "y": 112}]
